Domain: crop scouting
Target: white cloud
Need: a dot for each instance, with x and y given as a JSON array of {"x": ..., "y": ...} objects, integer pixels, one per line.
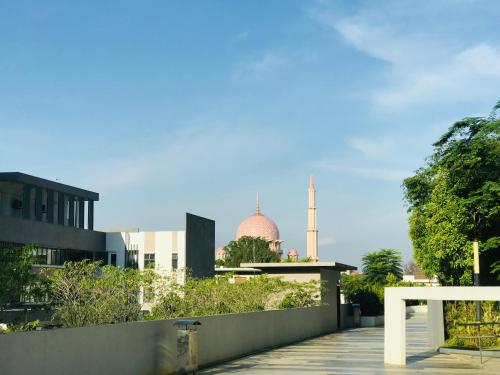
[
  {"x": 261, "y": 67},
  {"x": 423, "y": 67}
]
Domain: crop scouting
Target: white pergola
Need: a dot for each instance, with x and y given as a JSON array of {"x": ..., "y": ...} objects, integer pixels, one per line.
[{"x": 395, "y": 314}]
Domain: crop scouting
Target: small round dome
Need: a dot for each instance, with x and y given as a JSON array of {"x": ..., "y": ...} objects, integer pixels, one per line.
[
  {"x": 292, "y": 253},
  {"x": 258, "y": 225}
]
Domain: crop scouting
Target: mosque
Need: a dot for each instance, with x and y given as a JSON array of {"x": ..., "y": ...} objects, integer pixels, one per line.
[{"x": 259, "y": 225}]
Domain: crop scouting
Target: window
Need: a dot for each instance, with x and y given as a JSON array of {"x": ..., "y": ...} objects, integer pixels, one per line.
[
  {"x": 132, "y": 259},
  {"x": 112, "y": 259},
  {"x": 174, "y": 261},
  {"x": 149, "y": 261}
]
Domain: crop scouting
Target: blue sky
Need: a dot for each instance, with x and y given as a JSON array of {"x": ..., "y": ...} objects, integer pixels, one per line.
[{"x": 167, "y": 107}]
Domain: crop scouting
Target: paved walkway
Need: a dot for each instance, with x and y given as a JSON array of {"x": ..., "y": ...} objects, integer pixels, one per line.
[{"x": 358, "y": 351}]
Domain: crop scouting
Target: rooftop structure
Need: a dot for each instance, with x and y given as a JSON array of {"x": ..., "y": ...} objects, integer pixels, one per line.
[{"x": 57, "y": 218}]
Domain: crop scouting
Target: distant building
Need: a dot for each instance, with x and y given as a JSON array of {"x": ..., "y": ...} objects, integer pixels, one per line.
[
  {"x": 259, "y": 225},
  {"x": 165, "y": 251},
  {"x": 418, "y": 276},
  {"x": 57, "y": 219}
]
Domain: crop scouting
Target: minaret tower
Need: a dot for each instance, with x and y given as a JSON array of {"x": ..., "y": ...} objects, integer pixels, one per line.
[{"x": 312, "y": 231}]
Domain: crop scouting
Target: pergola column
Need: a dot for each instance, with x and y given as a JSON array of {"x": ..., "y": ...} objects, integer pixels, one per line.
[
  {"x": 435, "y": 323},
  {"x": 38, "y": 203},
  {"x": 71, "y": 219},
  {"x": 394, "y": 329},
  {"x": 90, "y": 215},
  {"x": 60, "y": 208},
  {"x": 50, "y": 206},
  {"x": 81, "y": 213},
  {"x": 26, "y": 201}
]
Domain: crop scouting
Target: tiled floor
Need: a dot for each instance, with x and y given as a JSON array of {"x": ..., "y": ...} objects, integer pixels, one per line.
[{"x": 358, "y": 351}]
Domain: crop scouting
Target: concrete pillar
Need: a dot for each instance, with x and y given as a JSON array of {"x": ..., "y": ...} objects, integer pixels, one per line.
[
  {"x": 90, "y": 215},
  {"x": 60, "y": 209},
  {"x": 26, "y": 201},
  {"x": 329, "y": 279},
  {"x": 81, "y": 214},
  {"x": 435, "y": 323},
  {"x": 38, "y": 203},
  {"x": 50, "y": 206},
  {"x": 394, "y": 329},
  {"x": 71, "y": 202}
]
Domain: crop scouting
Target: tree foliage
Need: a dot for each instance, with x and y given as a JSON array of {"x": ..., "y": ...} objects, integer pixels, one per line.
[
  {"x": 453, "y": 200},
  {"x": 84, "y": 293},
  {"x": 221, "y": 295},
  {"x": 18, "y": 282},
  {"x": 249, "y": 249},
  {"x": 370, "y": 297},
  {"x": 378, "y": 264}
]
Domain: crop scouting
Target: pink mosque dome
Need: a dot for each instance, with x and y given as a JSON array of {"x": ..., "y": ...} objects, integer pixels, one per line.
[
  {"x": 292, "y": 252},
  {"x": 258, "y": 225}
]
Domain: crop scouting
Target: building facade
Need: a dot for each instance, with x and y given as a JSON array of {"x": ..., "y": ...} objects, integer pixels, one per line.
[
  {"x": 57, "y": 219},
  {"x": 165, "y": 251}
]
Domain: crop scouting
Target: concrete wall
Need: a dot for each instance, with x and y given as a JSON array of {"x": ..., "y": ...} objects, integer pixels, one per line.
[
  {"x": 346, "y": 317},
  {"x": 50, "y": 235},
  {"x": 200, "y": 245},
  {"x": 150, "y": 347}
]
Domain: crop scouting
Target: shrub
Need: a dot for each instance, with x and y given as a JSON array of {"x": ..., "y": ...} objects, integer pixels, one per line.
[
  {"x": 85, "y": 293},
  {"x": 17, "y": 280},
  {"x": 24, "y": 327},
  {"x": 465, "y": 312},
  {"x": 220, "y": 295},
  {"x": 369, "y": 296}
]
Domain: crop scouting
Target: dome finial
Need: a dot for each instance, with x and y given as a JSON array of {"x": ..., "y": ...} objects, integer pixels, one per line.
[{"x": 257, "y": 211}]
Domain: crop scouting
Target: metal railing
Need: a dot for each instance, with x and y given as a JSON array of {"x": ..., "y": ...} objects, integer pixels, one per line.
[{"x": 479, "y": 336}]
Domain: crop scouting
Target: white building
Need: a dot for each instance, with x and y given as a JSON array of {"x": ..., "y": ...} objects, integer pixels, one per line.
[{"x": 164, "y": 251}]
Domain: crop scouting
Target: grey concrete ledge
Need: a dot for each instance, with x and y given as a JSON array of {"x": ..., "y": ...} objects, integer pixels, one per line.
[{"x": 474, "y": 353}]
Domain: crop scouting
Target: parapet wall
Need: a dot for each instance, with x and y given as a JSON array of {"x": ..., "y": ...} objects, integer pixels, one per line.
[{"x": 149, "y": 347}]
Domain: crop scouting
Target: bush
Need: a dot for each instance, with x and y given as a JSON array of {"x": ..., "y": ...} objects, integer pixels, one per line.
[
  {"x": 29, "y": 326},
  {"x": 369, "y": 296},
  {"x": 17, "y": 280},
  {"x": 465, "y": 312},
  {"x": 220, "y": 295},
  {"x": 85, "y": 293}
]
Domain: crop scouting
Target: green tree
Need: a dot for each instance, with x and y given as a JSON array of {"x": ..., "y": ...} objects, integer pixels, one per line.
[
  {"x": 18, "y": 282},
  {"x": 370, "y": 297},
  {"x": 453, "y": 200},
  {"x": 84, "y": 293},
  {"x": 439, "y": 241},
  {"x": 249, "y": 249},
  {"x": 378, "y": 264}
]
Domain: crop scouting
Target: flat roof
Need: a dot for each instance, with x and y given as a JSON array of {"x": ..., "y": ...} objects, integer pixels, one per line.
[
  {"x": 303, "y": 266},
  {"x": 47, "y": 184},
  {"x": 237, "y": 270}
]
